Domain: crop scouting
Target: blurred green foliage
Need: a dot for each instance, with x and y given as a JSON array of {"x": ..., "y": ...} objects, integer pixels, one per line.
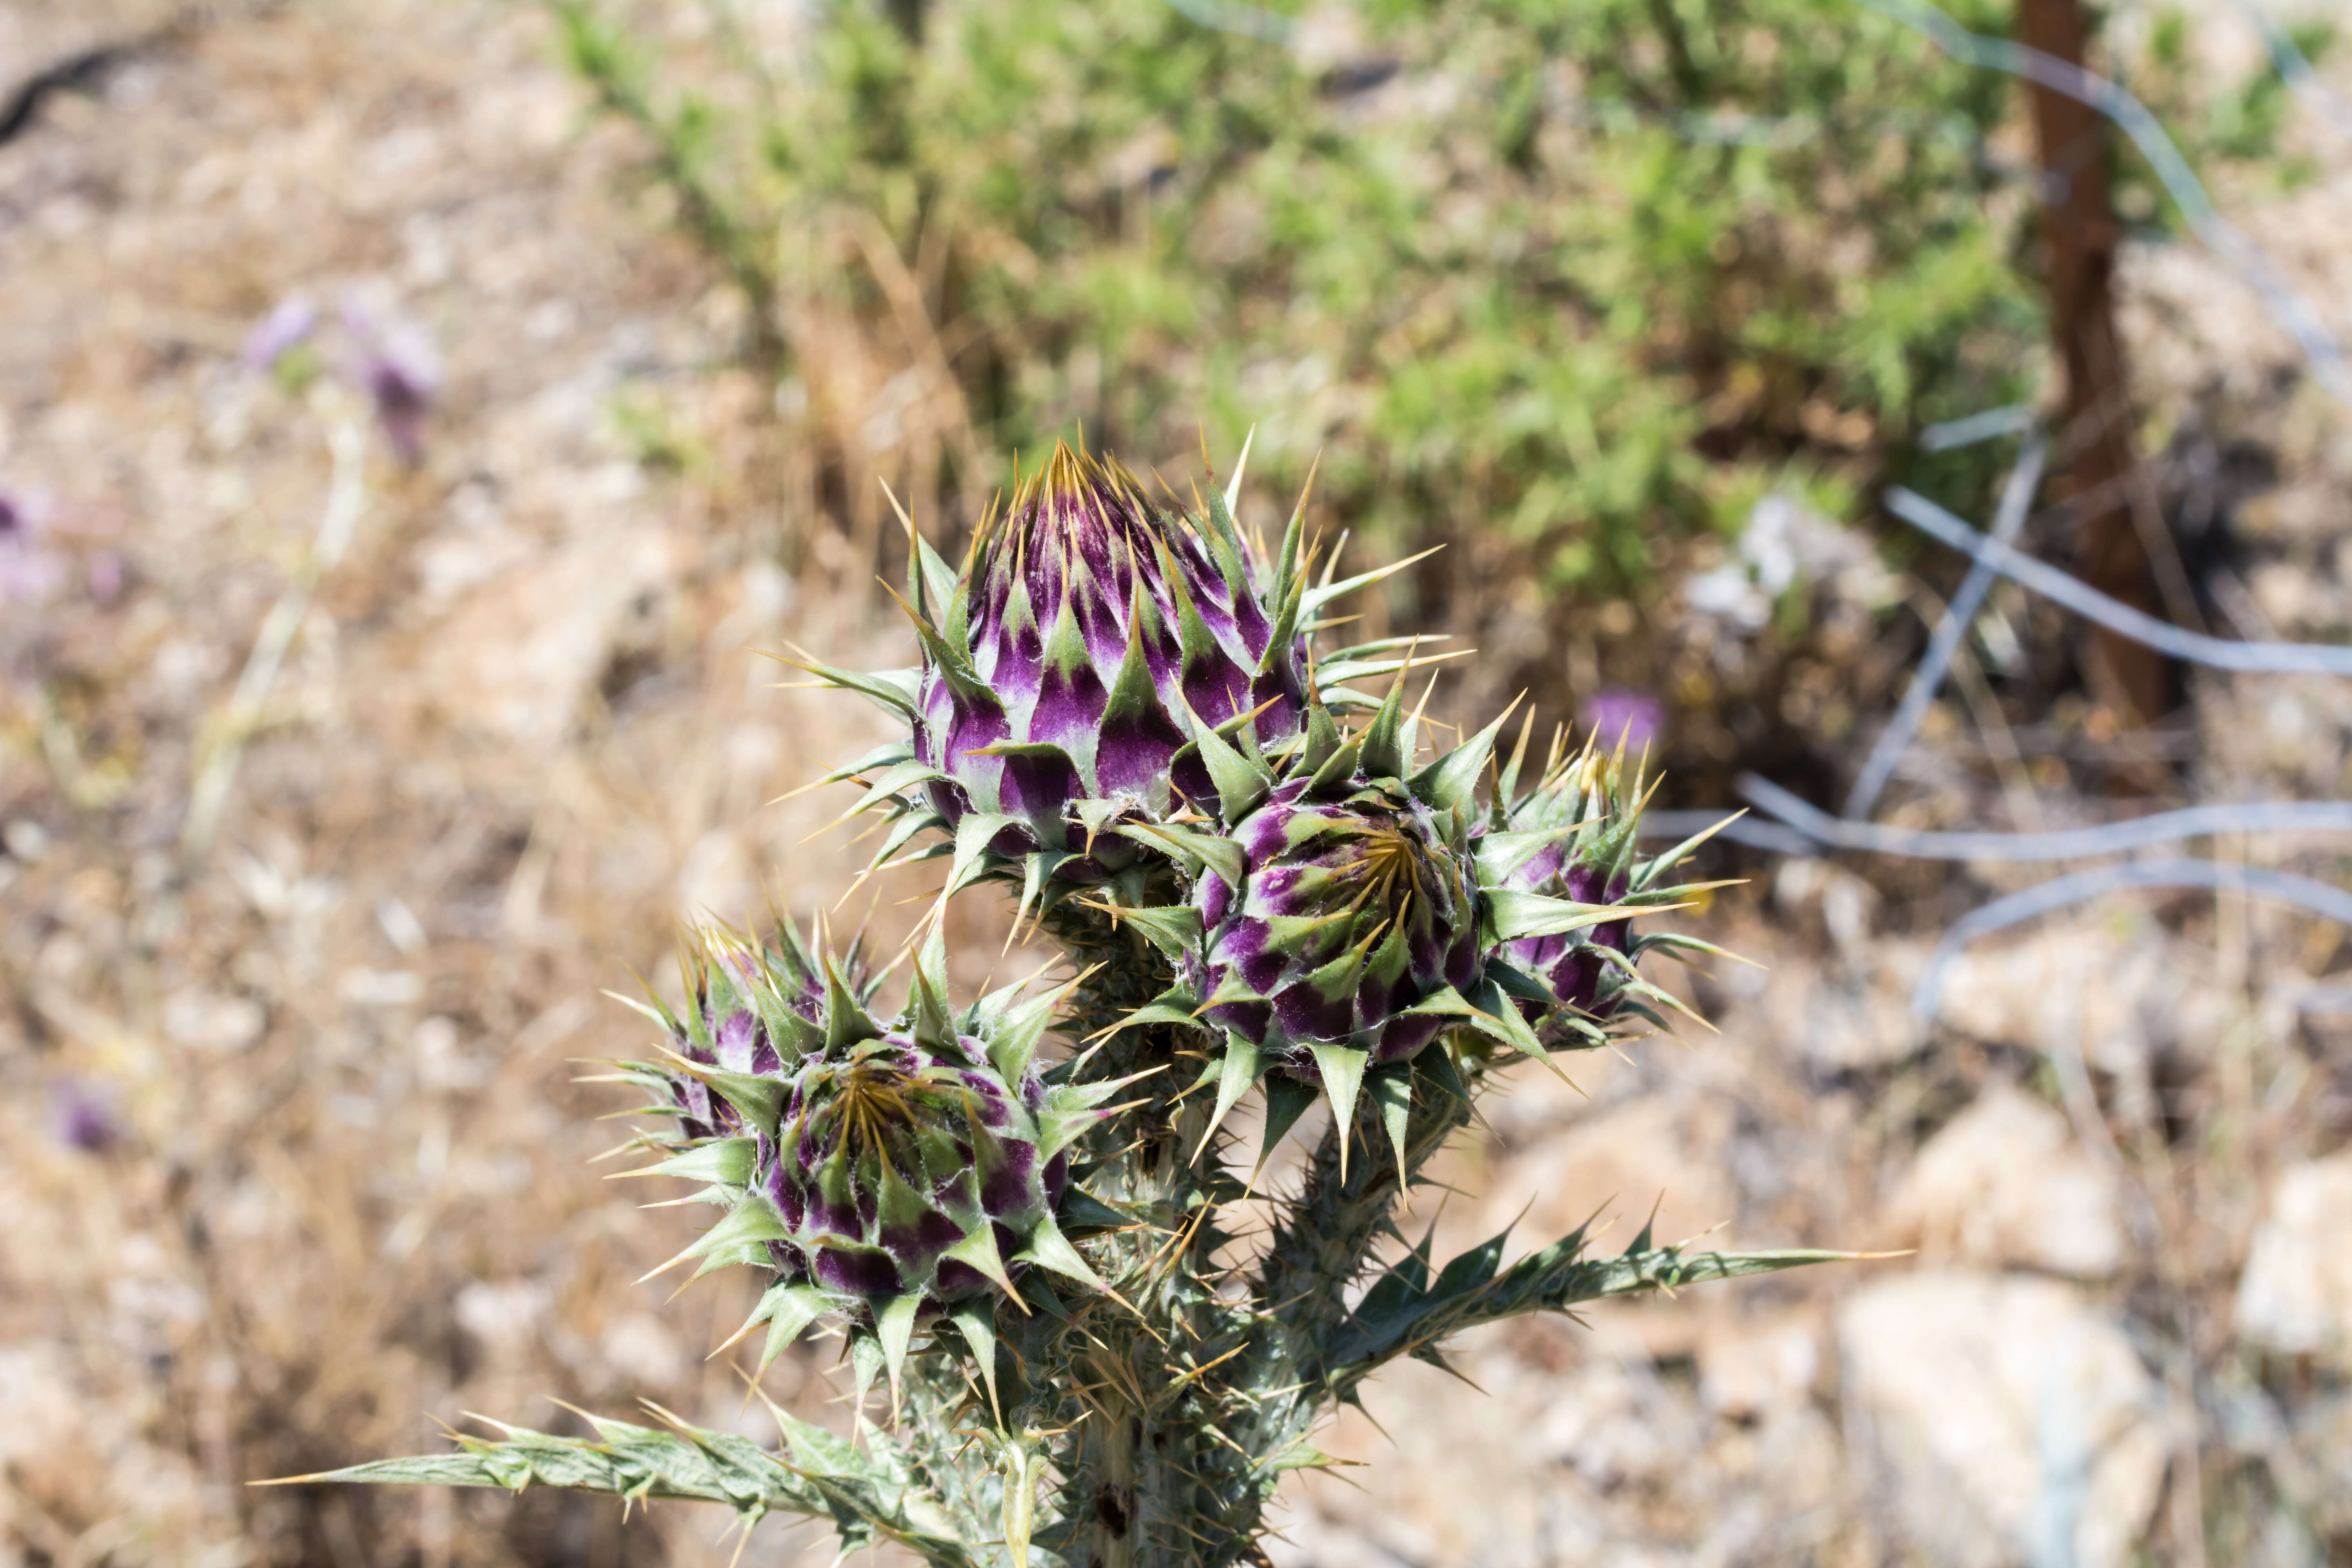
[{"x": 1589, "y": 275}]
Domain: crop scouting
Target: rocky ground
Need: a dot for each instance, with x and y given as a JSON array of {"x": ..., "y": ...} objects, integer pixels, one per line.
[{"x": 298, "y": 952}]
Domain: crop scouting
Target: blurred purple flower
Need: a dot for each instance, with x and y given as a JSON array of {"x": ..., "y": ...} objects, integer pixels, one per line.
[
  {"x": 1613, "y": 713},
  {"x": 29, "y": 571},
  {"x": 397, "y": 367},
  {"x": 280, "y": 331},
  {"x": 105, "y": 577},
  {"x": 84, "y": 1120}
]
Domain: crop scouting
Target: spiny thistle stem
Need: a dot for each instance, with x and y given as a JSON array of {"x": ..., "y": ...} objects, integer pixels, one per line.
[{"x": 1262, "y": 889}]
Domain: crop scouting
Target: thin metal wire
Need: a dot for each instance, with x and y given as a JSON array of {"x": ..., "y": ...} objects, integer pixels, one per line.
[
  {"x": 2296, "y": 70},
  {"x": 2078, "y": 887},
  {"x": 2265, "y": 658},
  {"x": 2285, "y": 305},
  {"x": 1677, "y": 825},
  {"x": 1990, "y": 425},
  {"x": 2016, "y": 499},
  {"x": 1803, "y": 818}
]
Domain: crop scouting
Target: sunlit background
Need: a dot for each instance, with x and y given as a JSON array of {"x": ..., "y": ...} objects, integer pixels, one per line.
[{"x": 417, "y": 416}]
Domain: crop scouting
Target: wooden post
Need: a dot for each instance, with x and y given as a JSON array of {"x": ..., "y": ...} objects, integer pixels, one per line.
[{"x": 2097, "y": 460}]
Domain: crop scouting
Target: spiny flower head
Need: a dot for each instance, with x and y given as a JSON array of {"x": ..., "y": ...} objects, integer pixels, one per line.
[
  {"x": 894, "y": 1174},
  {"x": 1071, "y": 667},
  {"x": 1343, "y": 916},
  {"x": 1088, "y": 636},
  {"x": 1091, "y": 622},
  {"x": 1350, "y": 910},
  {"x": 751, "y": 1008}
]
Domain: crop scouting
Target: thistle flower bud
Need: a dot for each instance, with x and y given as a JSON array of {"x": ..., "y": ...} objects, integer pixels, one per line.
[
  {"x": 890, "y": 1172},
  {"x": 1586, "y": 806},
  {"x": 1075, "y": 674},
  {"x": 903, "y": 1169},
  {"x": 1087, "y": 625},
  {"x": 1347, "y": 917},
  {"x": 1349, "y": 914}
]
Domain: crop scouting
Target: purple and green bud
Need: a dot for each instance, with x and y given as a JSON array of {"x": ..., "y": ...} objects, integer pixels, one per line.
[
  {"x": 894, "y": 1174},
  {"x": 1349, "y": 914},
  {"x": 1347, "y": 918},
  {"x": 1593, "y": 807},
  {"x": 1076, "y": 674},
  {"x": 1090, "y": 631}
]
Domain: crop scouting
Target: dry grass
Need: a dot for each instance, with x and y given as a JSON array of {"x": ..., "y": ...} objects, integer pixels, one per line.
[{"x": 290, "y": 1158}]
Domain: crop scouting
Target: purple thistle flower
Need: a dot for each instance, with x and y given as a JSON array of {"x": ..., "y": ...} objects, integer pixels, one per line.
[
  {"x": 395, "y": 366},
  {"x": 29, "y": 571},
  {"x": 1350, "y": 912},
  {"x": 279, "y": 332},
  {"x": 84, "y": 1120},
  {"x": 1613, "y": 713},
  {"x": 893, "y": 1173}
]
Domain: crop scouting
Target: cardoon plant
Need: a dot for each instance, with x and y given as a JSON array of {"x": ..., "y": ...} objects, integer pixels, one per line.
[{"x": 1013, "y": 1212}]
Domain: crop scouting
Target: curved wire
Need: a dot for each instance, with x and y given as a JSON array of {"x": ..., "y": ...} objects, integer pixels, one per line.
[
  {"x": 2296, "y": 70},
  {"x": 1970, "y": 429},
  {"x": 1749, "y": 830},
  {"x": 2016, "y": 495},
  {"x": 2280, "y": 887},
  {"x": 2254, "y": 658},
  {"x": 2066, "y": 844},
  {"x": 1233, "y": 16}
]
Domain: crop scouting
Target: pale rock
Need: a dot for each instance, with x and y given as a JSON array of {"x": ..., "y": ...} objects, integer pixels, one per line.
[
  {"x": 2010, "y": 1421},
  {"x": 212, "y": 1022},
  {"x": 2004, "y": 992},
  {"x": 1851, "y": 1017},
  {"x": 2295, "y": 1295},
  {"x": 1311, "y": 1540},
  {"x": 645, "y": 1353},
  {"x": 1568, "y": 1469},
  {"x": 1600, "y": 1463},
  {"x": 1429, "y": 1444},
  {"x": 1612, "y": 1426},
  {"x": 1750, "y": 1368},
  {"x": 1786, "y": 542},
  {"x": 2296, "y": 600},
  {"x": 2006, "y": 1183},
  {"x": 1848, "y": 905},
  {"x": 41, "y": 1393}
]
